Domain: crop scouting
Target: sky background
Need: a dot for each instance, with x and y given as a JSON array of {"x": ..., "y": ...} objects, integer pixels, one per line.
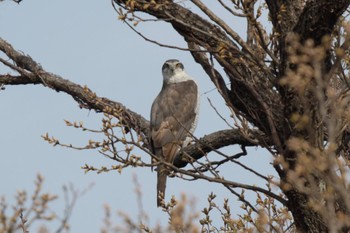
[{"x": 84, "y": 41}]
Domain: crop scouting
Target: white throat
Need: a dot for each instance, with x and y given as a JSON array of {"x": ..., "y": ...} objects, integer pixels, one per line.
[{"x": 179, "y": 76}]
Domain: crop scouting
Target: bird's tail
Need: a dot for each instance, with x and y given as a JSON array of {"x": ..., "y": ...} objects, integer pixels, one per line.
[
  {"x": 168, "y": 152},
  {"x": 161, "y": 183}
]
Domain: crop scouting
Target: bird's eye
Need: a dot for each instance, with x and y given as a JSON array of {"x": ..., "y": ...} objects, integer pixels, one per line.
[
  {"x": 165, "y": 66},
  {"x": 179, "y": 66}
]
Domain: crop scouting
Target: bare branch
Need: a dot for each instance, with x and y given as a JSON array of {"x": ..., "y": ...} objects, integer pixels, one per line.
[
  {"x": 215, "y": 141},
  {"x": 232, "y": 184},
  {"x": 83, "y": 95}
]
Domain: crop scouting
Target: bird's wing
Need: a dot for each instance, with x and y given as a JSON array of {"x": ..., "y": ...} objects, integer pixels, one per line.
[{"x": 172, "y": 115}]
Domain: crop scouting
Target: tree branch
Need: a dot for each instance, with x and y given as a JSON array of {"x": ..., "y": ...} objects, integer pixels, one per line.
[
  {"x": 216, "y": 141},
  {"x": 318, "y": 18},
  {"x": 34, "y": 74}
]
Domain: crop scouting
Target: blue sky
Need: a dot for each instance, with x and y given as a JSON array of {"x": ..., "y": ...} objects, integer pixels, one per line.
[{"x": 83, "y": 41}]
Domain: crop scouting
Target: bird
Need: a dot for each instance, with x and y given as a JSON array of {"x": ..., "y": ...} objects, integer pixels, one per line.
[{"x": 174, "y": 116}]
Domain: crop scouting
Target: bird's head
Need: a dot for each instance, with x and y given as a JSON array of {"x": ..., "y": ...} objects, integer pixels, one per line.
[{"x": 173, "y": 71}]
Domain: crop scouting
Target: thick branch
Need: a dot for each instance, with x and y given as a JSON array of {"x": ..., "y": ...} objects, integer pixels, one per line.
[
  {"x": 319, "y": 18},
  {"x": 84, "y": 96},
  {"x": 216, "y": 141},
  {"x": 289, "y": 10},
  {"x": 33, "y": 73}
]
